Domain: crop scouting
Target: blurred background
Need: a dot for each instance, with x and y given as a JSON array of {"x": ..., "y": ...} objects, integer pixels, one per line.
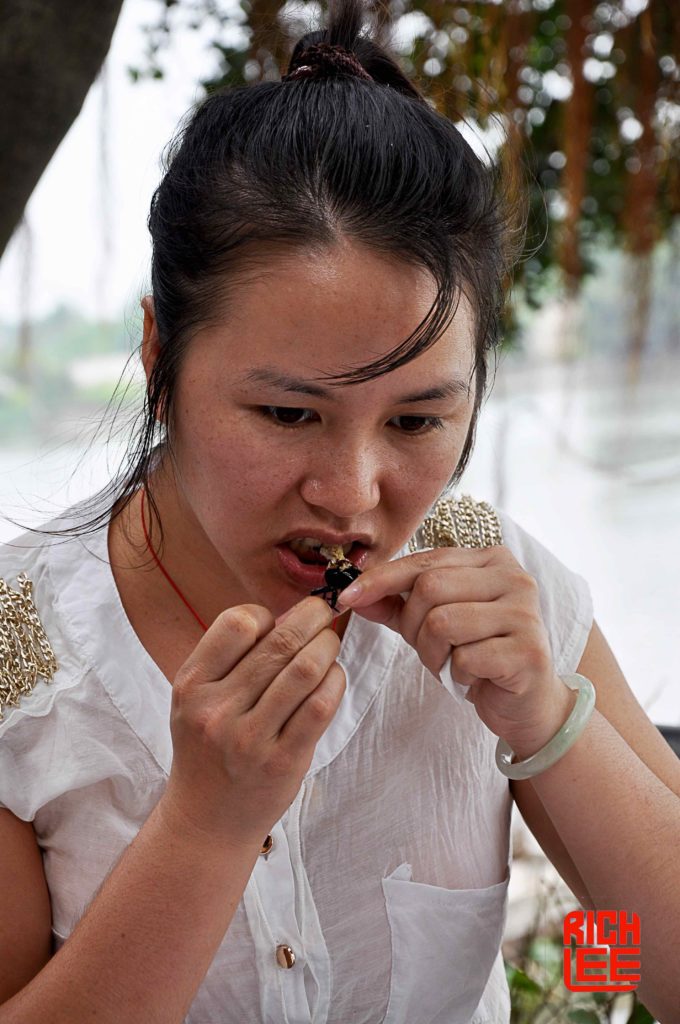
[{"x": 579, "y": 439}]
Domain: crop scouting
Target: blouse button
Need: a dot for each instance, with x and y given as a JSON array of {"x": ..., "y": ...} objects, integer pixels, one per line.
[
  {"x": 285, "y": 956},
  {"x": 266, "y": 846}
]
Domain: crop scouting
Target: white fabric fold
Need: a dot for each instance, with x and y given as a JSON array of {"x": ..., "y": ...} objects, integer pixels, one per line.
[
  {"x": 457, "y": 690},
  {"x": 317, "y": 958}
]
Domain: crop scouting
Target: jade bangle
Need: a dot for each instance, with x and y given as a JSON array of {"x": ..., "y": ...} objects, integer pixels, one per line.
[{"x": 555, "y": 748}]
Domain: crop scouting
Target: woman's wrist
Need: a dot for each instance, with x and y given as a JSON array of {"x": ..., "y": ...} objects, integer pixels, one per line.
[
  {"x": 527, "y": 741},
  {"x": 187, "y": 825},
  {"x": 558, "y": 745}
]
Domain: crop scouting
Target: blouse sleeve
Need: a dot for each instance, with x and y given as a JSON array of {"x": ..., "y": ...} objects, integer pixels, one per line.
[{"x": 32, "y": 748}]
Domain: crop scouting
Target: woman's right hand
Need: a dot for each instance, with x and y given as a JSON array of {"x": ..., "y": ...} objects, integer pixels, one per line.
[{"x": 249, "y": 706}]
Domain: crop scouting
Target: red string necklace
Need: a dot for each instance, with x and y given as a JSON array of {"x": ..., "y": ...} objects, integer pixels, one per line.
[
  {"x": 162, "y": 569},
  {"x": 167, "y": 575}
]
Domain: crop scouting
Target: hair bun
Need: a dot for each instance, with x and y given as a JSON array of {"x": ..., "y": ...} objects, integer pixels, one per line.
[
  {"x": 324, "y": 59},
  {"x": 343, "y": 48}
]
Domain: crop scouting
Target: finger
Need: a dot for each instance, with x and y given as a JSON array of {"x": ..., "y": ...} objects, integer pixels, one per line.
[
  {"x": 274, "y": 652},
  {"x": 315, "y": 713},
  {"x": 455, "y": 626},
  {"x": 294, "y": 683},
  {"x": 498, "y": 659},
  {"x": 233, "y": 633},
  {"x": 399, "y": 576},
  {"x": 450, "y": 587}
]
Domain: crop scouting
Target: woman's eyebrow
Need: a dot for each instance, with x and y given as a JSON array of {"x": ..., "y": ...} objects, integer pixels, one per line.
[{"x": 452, "y": 388}]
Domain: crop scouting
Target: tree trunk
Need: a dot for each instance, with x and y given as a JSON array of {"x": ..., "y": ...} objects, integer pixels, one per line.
[{"x": 50, "y": 53}]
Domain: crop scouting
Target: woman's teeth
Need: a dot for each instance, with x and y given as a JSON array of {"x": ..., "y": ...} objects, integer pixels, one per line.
[{"x": 312, "y": 545}]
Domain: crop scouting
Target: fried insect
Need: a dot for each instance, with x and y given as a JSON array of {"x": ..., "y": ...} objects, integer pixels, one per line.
[{"x": 339, "y": 573}]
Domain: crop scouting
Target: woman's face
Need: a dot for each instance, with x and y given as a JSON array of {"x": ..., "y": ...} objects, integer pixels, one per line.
[{"x": 256, "y": 462}]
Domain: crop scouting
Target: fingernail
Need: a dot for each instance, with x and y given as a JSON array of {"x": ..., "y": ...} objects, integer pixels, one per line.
[{"x": 347, "y": 596}]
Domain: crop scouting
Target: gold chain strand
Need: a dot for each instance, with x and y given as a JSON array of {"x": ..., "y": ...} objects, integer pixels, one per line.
[
  {"x": 25, "y": 652},
  {"x": 458, "y": 523}
]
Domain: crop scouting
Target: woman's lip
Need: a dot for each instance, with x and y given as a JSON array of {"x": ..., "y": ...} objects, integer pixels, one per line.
[
  {"x": 358, "y": 555},
  {"x": 312, "y": 576}
]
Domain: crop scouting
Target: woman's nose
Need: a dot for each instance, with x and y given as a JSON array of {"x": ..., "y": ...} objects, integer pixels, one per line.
[{"x": 345, "y": 482}]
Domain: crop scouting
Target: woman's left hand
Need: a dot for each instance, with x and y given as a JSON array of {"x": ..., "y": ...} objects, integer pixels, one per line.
[{"x": 485, "y": 606}]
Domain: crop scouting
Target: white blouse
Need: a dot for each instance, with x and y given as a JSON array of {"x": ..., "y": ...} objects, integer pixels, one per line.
[{"x": 388, "y": 875}]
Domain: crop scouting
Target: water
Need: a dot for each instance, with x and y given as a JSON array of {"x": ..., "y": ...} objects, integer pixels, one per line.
[{"x": 587, "y": 466}]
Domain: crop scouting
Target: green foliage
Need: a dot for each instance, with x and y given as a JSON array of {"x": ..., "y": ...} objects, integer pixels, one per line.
[
  {"x": 63, "y": 335},
  {"x": 640, "y": 1015},
  {"x": 535, "y": 970},
  {"x": 503, "y": 59},
  {"x": 526, "y": 995},
  {"x": 538, "y": 994},
  {"x": 50, "y": 396},
  {"x": 583, "y": 1017}
]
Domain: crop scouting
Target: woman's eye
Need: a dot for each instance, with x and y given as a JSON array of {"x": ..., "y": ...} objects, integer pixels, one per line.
[
  {"x": 273, "y": 412},
  {"x": 427, "y": 422},
  {"x": 283, "y": 416}
]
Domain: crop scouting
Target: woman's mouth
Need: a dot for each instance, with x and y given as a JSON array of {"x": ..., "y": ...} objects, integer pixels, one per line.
[{"x": 307, "y": 568}]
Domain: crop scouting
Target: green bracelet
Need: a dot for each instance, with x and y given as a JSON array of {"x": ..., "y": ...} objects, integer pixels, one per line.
[{"x": 555, "y": 748}]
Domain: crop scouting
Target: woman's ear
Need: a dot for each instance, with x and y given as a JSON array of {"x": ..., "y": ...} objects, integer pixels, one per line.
[
  {"x": 150, "y": 342},
  {"x": 151, "y": 346}
]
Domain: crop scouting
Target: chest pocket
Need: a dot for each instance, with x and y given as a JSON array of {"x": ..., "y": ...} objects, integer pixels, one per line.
[{"x": 446, "y": 962}]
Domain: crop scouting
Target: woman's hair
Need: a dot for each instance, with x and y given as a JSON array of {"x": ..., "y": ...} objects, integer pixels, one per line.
[{"x": 274, "y": 169}]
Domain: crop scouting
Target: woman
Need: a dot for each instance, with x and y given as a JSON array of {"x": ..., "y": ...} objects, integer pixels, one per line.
[{"x": 217, "y": 807}]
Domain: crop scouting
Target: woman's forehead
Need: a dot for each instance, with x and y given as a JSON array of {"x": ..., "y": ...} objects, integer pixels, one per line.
[
  {"x": 316, "y": 359},
  {"x": 341, "y": 284},
  {"x": 331, "y": 308},
  {"x": 308, "y": 326}
]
